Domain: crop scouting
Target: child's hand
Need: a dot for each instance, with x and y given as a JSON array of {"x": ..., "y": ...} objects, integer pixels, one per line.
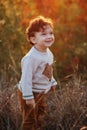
[
  {"x": 30, "y": 102},
  {"x": 53, "y": 88}
]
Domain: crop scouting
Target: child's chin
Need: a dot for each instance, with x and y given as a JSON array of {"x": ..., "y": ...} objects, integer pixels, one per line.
[{"x": 48, "y": 45}]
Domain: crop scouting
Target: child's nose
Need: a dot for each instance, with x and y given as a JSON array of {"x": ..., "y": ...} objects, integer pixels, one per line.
[{"x": 49, "y": 36}]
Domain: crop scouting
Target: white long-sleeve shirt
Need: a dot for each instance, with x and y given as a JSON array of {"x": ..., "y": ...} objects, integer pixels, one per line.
[{"x": 33, "y": 78}]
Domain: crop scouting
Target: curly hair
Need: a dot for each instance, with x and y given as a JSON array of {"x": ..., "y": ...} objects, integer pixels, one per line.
[{"x": 36, "y": 25}]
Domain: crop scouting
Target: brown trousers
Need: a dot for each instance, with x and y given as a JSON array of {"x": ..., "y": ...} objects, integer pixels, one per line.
[{"x": 33, "y": 117}]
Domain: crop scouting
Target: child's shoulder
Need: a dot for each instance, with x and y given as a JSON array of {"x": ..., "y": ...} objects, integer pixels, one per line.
[
  {"x": 50, "y": 52},
  {"x": 29, "y": 56}
]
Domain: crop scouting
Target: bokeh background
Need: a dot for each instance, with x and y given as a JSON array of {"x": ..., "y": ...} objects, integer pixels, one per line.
[{"x": 70, "y": 28}]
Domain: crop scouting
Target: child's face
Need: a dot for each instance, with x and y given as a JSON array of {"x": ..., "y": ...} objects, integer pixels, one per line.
[{"x": 44, "y": 38}]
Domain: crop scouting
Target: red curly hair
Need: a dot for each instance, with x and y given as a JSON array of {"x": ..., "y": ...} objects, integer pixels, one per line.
[{"x": 36, "y": 25}]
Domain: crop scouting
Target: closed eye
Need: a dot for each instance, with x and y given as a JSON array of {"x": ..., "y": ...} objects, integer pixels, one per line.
[{"x": 43, "y": 33}]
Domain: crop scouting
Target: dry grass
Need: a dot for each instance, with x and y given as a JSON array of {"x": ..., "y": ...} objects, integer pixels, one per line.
[
  {"x": 10, "y": 117},
  {"x": 67, "y": 107}
]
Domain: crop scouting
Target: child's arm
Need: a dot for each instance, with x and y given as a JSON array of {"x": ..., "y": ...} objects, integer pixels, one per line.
[
  {"x": 30, "y": 102},
  {"x": 53, "y": 84},
  {"x": 26, "y": 78},
  {"x": 53, "y": 88}
]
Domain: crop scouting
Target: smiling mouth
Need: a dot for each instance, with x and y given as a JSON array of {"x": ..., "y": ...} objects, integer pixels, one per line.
[{"x": 49, "y": 41}]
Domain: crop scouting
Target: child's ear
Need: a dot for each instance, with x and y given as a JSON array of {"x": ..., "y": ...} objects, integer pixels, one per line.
[{"x": 32, "y": 39}]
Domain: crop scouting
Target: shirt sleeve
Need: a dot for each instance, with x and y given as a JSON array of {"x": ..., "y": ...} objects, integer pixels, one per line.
[
  {"x": 26, "y": 78},
  {"x": 53, "y": 82}
]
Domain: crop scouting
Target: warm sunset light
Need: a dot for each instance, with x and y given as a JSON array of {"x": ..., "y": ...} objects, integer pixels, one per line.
[{"x": 70, "y": 53}]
